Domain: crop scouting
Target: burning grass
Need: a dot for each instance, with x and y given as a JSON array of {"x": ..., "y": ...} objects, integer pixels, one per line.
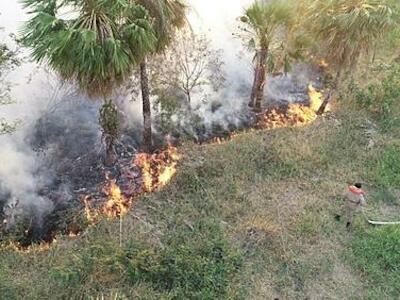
[
  {"x": 156, "y": 170},
  {"x": 295, "y": 114},
  {"x": 149, "y": 172},
  {"x": 269, "y": 203}
]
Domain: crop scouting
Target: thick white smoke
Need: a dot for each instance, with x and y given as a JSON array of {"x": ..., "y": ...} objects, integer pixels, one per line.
[
  {"x": 35, "y": 92},
  {"x": 34, "y": 95},
  {"x": 219, "y": 21}
]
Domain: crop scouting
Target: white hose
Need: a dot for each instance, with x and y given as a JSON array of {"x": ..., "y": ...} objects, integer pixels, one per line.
[{"x": 379, "y": 222}]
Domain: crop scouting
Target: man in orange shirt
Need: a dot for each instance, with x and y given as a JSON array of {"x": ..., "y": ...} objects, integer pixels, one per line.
[{"x": 355, "y": 200}]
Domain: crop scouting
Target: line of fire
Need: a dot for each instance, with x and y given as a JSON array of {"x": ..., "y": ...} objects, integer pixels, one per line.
[{"x": 129, "y": 179}]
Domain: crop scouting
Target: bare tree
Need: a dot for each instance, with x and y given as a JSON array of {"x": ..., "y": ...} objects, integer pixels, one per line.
[
  {"x": 8, "y": 61},
  {"x": 189, "y": 66}
]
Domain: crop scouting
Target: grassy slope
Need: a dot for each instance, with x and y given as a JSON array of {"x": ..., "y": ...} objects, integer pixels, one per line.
[{"x": 251, "y": 218}]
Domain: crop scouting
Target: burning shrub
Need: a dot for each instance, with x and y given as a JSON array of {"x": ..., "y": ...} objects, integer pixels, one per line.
[
  {"x": 153, "y": 170},
  {"x": 157, "y": 169}
]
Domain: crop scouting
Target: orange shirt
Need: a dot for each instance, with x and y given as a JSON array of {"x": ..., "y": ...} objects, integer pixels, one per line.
[{"x": 356, "y": 190}]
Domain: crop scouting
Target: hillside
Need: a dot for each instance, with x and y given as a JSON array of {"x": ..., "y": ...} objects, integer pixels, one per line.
[
  {"x": 199, "y": 149},
  {"x": 250, "y": 218}
]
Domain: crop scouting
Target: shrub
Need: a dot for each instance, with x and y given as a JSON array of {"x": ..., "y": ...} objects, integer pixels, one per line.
[{"x": 382, "y": 98}]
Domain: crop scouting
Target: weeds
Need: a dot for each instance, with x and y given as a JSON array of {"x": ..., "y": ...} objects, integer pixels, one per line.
[{"x": 382, "y": 99}]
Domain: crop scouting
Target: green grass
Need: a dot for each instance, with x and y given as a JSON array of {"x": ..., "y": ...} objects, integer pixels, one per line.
[
  {"x": 376, "y": 253},
  {"x": 388, "y": 167},
  {"x": 252, "y": 218}
]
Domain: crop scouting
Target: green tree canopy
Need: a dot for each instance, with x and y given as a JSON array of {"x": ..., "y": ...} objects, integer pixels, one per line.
[
  {"x": 94, "y": 43},
  {"x": 265, "y": 20},
  {"x": 347, "y": 29},
  {"x": 266, "y": 29}
]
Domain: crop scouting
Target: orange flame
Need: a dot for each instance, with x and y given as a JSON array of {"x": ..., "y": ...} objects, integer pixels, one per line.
[
  {"x": 223, "y": 140},
  {"x": 157, "y": 170},
  {"x": 35, "y": 248},
  {"x": 316, "y": 98},
  {"x": 296, "y": 114},
  {"x": 92, "y": 214},
  {"x": 117, "y": 204}
]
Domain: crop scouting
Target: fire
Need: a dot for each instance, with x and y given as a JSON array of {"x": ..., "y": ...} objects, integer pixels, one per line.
[
  {"x": 316, "y": 98},
  {"x": 323, "y": 64},
  {"x": 117, "y": 204},
  {"x": 17, "y": 247},
  {"x": 144, "y": 160},
  {"x": 295, "y": 115},
  {"x": 92, "y": 214},
  {"x": 223, "y": 140},
  {"x": 157, "y": 169}
]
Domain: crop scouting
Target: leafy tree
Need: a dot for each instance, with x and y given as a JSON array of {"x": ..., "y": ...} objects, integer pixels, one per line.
[
  {"x": 265, "y": 27},
  {"x": 167, "y": 16},
  {"x": 346, "y": 30},
  {"x": 96, "y": 45}
]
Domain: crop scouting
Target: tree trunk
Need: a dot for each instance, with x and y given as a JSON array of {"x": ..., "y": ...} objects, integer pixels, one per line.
[
  {"x": 108, "y": 138},
  {"x": 144, "y": 82},
  {"x": 111, "y": 154},
  {"x": 189, "y": 101},
  {"x": 331, "y": 93},
  {"x": 260, "y": 75}
]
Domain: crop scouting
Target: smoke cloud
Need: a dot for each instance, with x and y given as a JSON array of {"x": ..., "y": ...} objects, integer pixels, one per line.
[{"x": 60, "y": 129}]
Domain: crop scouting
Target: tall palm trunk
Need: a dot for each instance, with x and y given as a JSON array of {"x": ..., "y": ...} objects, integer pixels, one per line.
[
  {"x": 144, "y": 82},
  {"x": 260, "y": 75},
  {"x": 111, "y": 154},
  {"x": 331, "y": 93},
  {"x": 109, "y": 122}
]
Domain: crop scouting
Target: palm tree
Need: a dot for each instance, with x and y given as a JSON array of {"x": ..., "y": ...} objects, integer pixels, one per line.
[
  {"x": 97, "y": 45},
  {"x": 348, "y": 29},
  {"x": 167, "y": 16},
  {"x": 265, "y": 25}
]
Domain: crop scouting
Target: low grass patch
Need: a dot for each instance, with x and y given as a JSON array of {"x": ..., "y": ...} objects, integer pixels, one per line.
[
  {"x": 375, "y": 252},
  {"x": 388, "y": 167},
  {"x": 190, "y": 263},
  {"x": 194, "y": 264}
]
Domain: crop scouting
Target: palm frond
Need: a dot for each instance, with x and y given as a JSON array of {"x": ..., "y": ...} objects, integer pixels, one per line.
[
  {"x": 167, "y": 17},
  {"x": 349, "y": 28},
  {"x": 98, "y": 49}
]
